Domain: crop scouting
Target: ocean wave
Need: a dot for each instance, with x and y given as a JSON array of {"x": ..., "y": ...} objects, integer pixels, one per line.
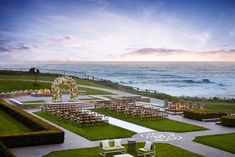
[
  {"x": 198, "y": 81},
  {"x": 127, "y": 82},
  {"x": 189, "y": 81}
]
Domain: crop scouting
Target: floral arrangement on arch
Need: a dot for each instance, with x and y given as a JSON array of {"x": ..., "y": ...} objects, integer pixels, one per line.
[{"x": 56, "y": 90}]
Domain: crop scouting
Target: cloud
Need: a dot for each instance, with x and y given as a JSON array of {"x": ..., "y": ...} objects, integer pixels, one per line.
[
  {"x": 149, "y": 51},
  {"x": 66, "y": 41},
  {"x": 3, "y": 49},
  {"x": 69, "y": 41},
  {"x": 12, "y": 48},
  {"x": 92, "y": 32},
  {"x": 159, "y": 54}
]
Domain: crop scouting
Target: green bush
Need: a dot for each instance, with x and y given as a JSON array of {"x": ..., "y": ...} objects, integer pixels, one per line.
[
  {"x": 4, "y": 152},
  {"x": 200, "y": 114},
  {"x": 43, "y": 133},
  {"x": 228, "y": 121}
]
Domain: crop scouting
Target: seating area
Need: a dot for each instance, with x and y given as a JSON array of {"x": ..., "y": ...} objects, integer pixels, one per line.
[
  {"x": 178, "y": 107},
  {"x": 115, "y": 147},
  {"x": 75, "y": 114},
  {"x": 130, "y": 107},
  {"x": 111, "y": 146},
  {"x": 147, "y": 150}
]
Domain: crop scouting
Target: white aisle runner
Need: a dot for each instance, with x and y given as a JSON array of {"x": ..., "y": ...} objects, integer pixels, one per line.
[{"x": 128, "y": 126}]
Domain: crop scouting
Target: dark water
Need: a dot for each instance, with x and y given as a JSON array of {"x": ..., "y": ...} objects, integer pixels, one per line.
[{"x": 175, "y": 78}]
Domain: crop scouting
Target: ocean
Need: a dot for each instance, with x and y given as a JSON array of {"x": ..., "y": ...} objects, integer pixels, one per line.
[{"x": 202, "y": 79}]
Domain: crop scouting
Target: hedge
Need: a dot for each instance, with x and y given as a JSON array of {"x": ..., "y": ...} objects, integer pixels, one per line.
[
  {"x": 43, "y": 133},
  {"x": 4, "y": 151},
  {"x": 228, "y": 121},
  {"x": 200, "y": 114}
]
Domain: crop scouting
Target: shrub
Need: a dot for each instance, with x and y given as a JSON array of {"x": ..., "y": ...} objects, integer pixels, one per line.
[
  {"x": 200, "y": 114},
  {"x": 43, "y": 133},
  {"x": 228, "y": 121},
  {"x": 4, "y": 152}
]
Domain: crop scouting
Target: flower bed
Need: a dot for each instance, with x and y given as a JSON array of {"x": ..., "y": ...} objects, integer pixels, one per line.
[
  {"x": 228, "y": 121},
  {"x": 200, "y": 114},
  {"x": 41, "y": 92},
  {"x": 14, "y": 94}
]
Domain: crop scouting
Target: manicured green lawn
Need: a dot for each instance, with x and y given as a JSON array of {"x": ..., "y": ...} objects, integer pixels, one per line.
[
  {"x": 160, "y": 124},
  {"x": 48, "y": 78},
  {"x": 91, "y": 133},
  {"x": 9, "y": 125},
  {"x": 89, "y": 83},
  {"x": 90, "y": 91},
  {"x": 220, "y": 106},
  {"x": 13, "y": 85},
  {"x": 88, "y": 99},
  {"x": 27, "y": 77},
  {"x": 225, "y": 142},
  {"x": 162, "y": 150},
  {"x": 33, "y": 101}
]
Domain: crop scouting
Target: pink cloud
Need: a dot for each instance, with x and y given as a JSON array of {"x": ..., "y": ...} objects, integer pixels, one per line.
[
  {"x": 151, "y": 54},
  {"x": 66, "y": 41},
  {"x": 69, "y": 41}
]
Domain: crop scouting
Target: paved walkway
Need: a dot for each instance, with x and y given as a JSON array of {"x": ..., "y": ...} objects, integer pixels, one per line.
[
  {"x": 74, "y": 141},
  {"x": 128, "y": 125}
]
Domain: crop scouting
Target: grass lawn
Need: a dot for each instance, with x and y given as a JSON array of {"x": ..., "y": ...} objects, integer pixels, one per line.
[
  {"x": 48, "y": 78},
  {"x": 88, "y": 99},
  {"x": 91, "y": 133},
  {"x": 225, "y": 142},
  {"x": 9, "y": 125},
  {"x": 33, "y": 101},
  {"x": 90, "y": 91},
  {"x": 162, "y": 150},
  {"x": 89, "y": 83},
  {"x": 28, "y": 77},
  {"x": 220, "y": 106},
  {"x": 159, "y": 125},
  {"x": 13, "y": 85}
]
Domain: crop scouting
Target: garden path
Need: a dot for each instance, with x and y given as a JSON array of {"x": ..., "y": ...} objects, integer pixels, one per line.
[{"x": 74, "y": 141}]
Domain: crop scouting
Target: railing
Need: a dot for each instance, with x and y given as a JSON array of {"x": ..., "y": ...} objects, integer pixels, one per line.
[{"x": 74, "y": 74}]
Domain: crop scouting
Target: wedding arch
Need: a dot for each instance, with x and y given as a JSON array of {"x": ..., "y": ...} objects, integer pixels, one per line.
[{"x": 56, "y": 89}]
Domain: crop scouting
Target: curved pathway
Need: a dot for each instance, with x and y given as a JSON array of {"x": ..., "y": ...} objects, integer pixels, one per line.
[{"x": 74, "y": 141}]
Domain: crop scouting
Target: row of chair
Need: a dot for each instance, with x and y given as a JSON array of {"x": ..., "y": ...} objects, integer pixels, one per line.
[
  {"x": 134, "y": 110},
  {"x": 75, "y": 114}
]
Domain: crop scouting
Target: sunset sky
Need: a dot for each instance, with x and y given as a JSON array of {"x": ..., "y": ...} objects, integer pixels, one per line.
[{"x": 117, "y": 30}]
